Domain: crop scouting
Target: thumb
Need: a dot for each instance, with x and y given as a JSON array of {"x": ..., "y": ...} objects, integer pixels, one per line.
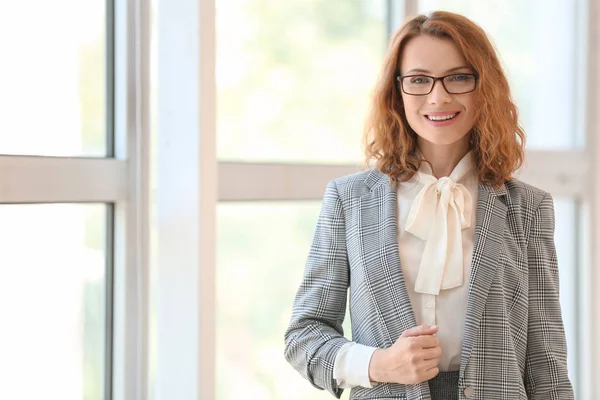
[{"x": 420, "y": 330}]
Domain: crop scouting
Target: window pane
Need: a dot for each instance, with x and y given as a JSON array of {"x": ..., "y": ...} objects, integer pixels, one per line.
[
  {"x": 566, "y": 235},
  {"x": 53, "y": 77},
  {"x": 294, "y": 77},
  {"x": 52, "y": 301},
  {"x": 261, "y": 243},
  {"x": 540, "y": 61}
]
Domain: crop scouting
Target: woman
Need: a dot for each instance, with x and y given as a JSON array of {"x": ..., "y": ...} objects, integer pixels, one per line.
[{"x": 449, "y": 262}]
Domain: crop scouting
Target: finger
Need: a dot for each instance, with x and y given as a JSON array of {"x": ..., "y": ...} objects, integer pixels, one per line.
[
  {"x": 432, "y": 353},
  {"x": 428, "y": 364},
  {"x": 431, "y": 373},
  {"x": 426, "y": 341},
  {"x": 420, "y": 330}
]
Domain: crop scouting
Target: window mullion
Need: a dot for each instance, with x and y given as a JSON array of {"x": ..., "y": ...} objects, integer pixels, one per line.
[
  {"x": 590, "y": 276},
  {"x": 131, "y": 214}
]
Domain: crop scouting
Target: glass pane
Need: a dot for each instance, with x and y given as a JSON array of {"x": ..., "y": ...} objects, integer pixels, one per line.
[
  {"x": 294, "y": 77},
  {"x": 52, "y": 301},
  {"x": 540, "y": 60},
  {"x": 260, "y": 243},
  {"x": 566, "y": 235},
  {"x": 53, "y": 77}
]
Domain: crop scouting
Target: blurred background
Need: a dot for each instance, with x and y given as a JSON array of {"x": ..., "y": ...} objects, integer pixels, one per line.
[{"x": 93, "y": 107}]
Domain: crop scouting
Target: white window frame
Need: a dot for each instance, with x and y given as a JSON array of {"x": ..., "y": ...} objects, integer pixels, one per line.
[
  {"x": 590, "y": 276},
  {"x": 186, "y": 297},
  {"x": 120, "y": 182},
  {"x": 186, "y": 200},
  {"x": 131, "y": 242}
]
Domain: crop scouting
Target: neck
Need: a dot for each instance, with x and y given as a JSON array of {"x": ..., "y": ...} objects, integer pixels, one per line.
[{"x": 443, "y": 158}]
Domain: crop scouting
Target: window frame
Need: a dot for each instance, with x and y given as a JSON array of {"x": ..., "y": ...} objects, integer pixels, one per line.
[{"x": 186, "y": 200}]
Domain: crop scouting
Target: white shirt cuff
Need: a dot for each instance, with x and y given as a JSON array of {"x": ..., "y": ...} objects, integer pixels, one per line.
[{"x": 351, "y": 365}]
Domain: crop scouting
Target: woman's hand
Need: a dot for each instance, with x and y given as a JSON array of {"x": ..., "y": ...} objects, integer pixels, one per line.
[{"x": 413, "y": 358}]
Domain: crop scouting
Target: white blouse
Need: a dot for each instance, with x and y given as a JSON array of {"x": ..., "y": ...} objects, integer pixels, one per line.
[{"x": 436, "y": 231}]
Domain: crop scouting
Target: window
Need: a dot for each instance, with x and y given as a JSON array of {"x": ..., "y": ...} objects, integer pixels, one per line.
[
  {"x": 53, "y": 295},
  {"x": 567, "y": 235},
  {"x": 293, "y": 81},
  {"x": 259, "y": 244},
  {"x": 73, "y": 200},
  {"x": 55, "y": 64}
]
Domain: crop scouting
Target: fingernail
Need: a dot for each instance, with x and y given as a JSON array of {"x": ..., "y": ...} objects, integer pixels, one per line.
[{"x": 433, "y": 326}]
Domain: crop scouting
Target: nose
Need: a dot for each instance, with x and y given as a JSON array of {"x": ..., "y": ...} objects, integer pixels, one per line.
[{"x": 438, "y": 94}]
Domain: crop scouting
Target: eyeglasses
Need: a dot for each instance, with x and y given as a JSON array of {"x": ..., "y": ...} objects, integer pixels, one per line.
[{"x": 421, "y": 85}]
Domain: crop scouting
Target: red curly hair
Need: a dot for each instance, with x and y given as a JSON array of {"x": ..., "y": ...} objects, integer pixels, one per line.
[{"x": 497, "y": 139}]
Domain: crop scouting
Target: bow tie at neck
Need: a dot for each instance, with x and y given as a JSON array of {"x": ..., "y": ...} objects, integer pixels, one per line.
[{"x": 439, "y": 213}]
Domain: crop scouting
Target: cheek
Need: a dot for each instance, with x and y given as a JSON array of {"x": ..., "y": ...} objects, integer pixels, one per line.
[
  {"x": 469, "y": 105},
  {"x": 471, "y": 115},
  {"x": 411, "y": 109},
  {"x": 411, "y": 117}
]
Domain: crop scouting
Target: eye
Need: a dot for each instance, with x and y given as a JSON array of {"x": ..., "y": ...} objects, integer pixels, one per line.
[
  {"x": 460, "y": 78},
  {"x": 419, "y": 80}
]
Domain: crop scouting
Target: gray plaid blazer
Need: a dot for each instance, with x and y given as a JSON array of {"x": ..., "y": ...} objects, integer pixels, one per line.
[{"x": 514, "y": 343}]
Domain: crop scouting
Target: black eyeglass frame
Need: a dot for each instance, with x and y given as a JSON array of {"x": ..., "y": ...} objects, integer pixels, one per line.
[{"x": 399, "y": 79}]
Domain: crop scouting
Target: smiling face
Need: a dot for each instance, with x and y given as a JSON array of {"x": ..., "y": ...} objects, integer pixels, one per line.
[{"x": 439, "y": 118}]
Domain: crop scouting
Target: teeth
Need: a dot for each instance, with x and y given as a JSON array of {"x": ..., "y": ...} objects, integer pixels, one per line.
[{"x": 441, "y": 117}]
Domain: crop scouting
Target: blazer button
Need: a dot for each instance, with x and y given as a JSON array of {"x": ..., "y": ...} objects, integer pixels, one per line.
[{"x": 469, "y": 391}]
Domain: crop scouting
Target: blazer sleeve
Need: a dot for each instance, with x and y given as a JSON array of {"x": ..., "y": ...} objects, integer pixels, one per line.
[
  {"x": 315, "y": 333},
  {"x": 546, "y": 359}
]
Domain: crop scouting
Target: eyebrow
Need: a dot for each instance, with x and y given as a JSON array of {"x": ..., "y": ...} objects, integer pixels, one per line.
[{"x": 424, "y": 71}]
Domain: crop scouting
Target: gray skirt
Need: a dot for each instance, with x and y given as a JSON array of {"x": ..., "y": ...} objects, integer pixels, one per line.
[{"x": 444, "y": 386}]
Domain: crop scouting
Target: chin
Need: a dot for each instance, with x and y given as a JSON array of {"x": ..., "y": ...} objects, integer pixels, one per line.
[{"x": 443, "y": 141}]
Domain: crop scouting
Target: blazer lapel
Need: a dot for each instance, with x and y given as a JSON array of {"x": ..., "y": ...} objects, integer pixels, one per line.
[
  {"x": 491, "y": 217},
  {"x": 378, "y": 228},
  {"x": 378, "y": 238}
]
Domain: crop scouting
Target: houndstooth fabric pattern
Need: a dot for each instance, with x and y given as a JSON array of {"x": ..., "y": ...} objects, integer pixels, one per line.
[{"x": 513, "y": 339}]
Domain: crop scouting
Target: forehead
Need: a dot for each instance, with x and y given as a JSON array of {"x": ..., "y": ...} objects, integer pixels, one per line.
[{"x": 432, "y": 54}]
